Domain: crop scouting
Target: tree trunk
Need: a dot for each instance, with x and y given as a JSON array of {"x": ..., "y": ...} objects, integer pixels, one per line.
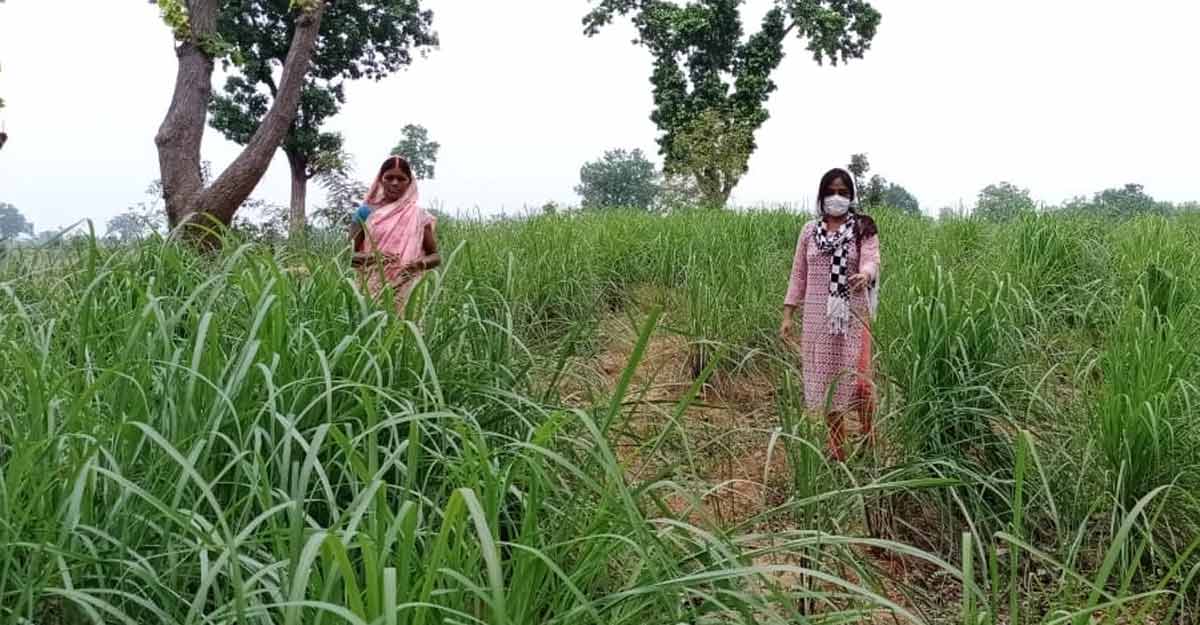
[
  {"x": 711, "y": 189},
  {"x": 179, "y": 137},
  {"x": 297, "y": 219},
  {"x": 727, "y": 188},
  {"x": 178, "y": 140}
]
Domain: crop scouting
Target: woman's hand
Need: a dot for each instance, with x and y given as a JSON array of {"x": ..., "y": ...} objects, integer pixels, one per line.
[
  {"x": 361, "y": 259},
  {"x": 859, "y": 281},
  {"x": 406, "y": 274},
  {"x": 787, "y": 329}
]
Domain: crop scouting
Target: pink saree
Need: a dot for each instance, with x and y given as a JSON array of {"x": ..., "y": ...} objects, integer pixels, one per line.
[{"x": 395, "y": 235}]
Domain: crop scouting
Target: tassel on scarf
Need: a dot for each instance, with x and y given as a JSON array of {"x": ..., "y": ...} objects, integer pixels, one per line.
[{"x": 838, "y": 311}]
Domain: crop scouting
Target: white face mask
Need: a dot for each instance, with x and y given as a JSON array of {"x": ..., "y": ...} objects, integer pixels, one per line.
[{"x": 837, "y": 206}]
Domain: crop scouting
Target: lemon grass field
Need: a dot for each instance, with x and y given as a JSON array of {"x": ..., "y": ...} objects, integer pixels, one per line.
[{"x": 589, "y": 419}]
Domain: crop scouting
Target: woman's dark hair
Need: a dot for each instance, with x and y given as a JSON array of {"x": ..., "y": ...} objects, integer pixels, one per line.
[
  {"x": 394, "y": 162},
  {"x": 827, "y": 180},
  {"x": 864, "y": 227}
]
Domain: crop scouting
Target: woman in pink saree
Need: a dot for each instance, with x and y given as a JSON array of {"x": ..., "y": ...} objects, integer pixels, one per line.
[{"x": 394, "y": 239}]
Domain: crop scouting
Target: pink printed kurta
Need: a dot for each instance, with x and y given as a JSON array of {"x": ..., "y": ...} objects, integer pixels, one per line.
[{"x": 830, "y": 359}]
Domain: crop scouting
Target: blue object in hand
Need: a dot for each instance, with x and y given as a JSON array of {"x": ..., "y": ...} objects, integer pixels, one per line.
[{"x": 363, "y": 213}]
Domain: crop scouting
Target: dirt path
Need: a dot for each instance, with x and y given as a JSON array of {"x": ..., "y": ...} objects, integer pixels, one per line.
[
  {"x": 723, "y": 452},
  {"x": 719, "y": 445}
]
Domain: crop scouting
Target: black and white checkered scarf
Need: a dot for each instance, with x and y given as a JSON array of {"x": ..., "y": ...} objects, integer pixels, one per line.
[{"x": 837, "y": 244}]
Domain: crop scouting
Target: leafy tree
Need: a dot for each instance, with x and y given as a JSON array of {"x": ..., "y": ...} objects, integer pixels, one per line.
[
  {"x": 859, "y": 166},
  {"x": 880, "y": 192},
  {"x": 420, "y": 151},
  {"x": 356, "y": 40},
  {"x": 1129, "y": 200},
  {"x": 708, "y": 78},
  {"x": 199, "y": 44},
  {"x": 343, "y": 194},
  {"x": 12, "y": 222},
  {"x": 620, "y": 179},
  {"x": 714, "y": 150},
  {"x": 1003, "y": 201},
  {"x": 1121, "y": 202}
]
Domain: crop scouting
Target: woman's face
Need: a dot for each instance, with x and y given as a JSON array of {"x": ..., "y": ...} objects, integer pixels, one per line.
[
  {"x": 839, "y": 187},
  {"x": 395, "y": 183}
]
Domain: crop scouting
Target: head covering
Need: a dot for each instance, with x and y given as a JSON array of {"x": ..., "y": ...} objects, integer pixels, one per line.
[
  {"x": 396, "y": 228},
  {"x": 396, "y": 231}
]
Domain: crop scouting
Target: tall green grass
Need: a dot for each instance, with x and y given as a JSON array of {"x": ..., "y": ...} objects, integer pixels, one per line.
[{"x": 203, "y": 439}]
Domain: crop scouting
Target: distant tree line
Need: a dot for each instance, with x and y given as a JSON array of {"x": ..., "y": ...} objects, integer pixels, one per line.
[
  {"x": 628, "y": 179},
  {"x": 877, "y": 191},
  {"x": 1005, "y": 201}
]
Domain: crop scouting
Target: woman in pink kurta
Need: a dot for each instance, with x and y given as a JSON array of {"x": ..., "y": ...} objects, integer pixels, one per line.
[
  {"x": 834, "y": 278},
  {"x": 394, "y": 239}
]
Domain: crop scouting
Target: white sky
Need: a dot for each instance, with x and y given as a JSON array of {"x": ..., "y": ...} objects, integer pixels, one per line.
[{"x": 1065, "y": 97}]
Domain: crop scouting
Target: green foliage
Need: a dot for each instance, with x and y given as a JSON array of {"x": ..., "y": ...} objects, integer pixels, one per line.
[
  {"x": 1146, "y": 413},
  {"x": 175, "y": 15},
  {"x": 1123, "y": 203},
  {"x": 880, "y": 192},
  {"x": 877, "y": 191},
  {"x": 357, "y": 40},
  {"x": 859, "y": 166},
  {"x": 708, "y": 77},
  {"x": 419, "y": 150},
  {"x": 330, "y": 156},
  {"x": 719, "y": 148},
  {"x": 343, "y": 194},
  {"x": 946, "y": 365},
  {"x": 12, "y": 222},
  {"x": 234, "y": 439},
  {"x": 620, "y": 179},
  {"x": 245, "y": 436},
  {"x": 1003, "y": 202}
]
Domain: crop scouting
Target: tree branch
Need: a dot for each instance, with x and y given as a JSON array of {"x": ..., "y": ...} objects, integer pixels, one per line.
[
  {"x": 240, "y": 178},
  {"x": 788, "y": 31}
]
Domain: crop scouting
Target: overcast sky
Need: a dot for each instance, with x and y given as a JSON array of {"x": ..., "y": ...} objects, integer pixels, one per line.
[{"x": 1065, "y": 97}]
